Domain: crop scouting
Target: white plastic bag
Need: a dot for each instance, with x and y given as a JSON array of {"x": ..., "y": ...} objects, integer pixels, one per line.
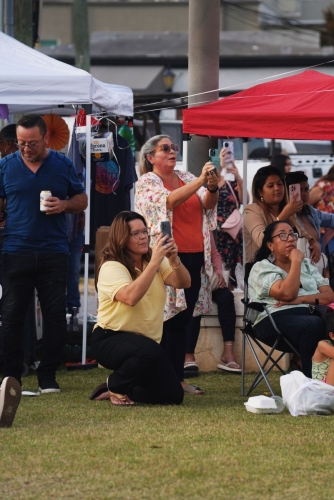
[{"x": 305, "y": 396}]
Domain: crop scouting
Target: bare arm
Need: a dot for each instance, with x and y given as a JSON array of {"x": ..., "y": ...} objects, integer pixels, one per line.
[
  {"x": 132, "y": 293},
  {"x": 325, "y": 296},
  {"x": 73, "y": 205},
  {"x": 315, "y": 195},
  {"x": 180, "y": 277},
  {"x": 254, "y": 223},
  {"x": 287, "y": 289},
  {"x": 326, "y": 349},
  {"x": 183, "y": 193},
  {"x": 2, "y": 204},
  {"x": 234, "y": 170},
  {"x": 291, "y": 208}
]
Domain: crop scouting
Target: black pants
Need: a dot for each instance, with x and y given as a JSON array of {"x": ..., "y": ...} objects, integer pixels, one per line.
[
  {"x": 174, "y": 338},
  {"x": 224, "y": 299},
  {"x": 302, "y": 328},
  {"x": 21, "y": 275},
  {"x": 141, "y": 367}
]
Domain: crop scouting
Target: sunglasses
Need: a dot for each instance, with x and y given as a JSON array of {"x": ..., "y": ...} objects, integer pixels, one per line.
[{"x": 166, "y": 148}]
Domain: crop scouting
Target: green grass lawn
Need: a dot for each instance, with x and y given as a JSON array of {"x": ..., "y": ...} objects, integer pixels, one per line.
[{"x": 64, "y": 446}]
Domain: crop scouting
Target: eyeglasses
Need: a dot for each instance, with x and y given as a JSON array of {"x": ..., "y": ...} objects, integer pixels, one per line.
[
  {"x": 285, "y": 236},
  {"x": 144, "y": 232},
  {"x": 166, "y": 148},
  {"x": 30, "y": 145}
]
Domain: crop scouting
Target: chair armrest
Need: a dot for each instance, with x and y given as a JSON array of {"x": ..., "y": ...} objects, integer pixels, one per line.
[{"x": 256, "y": 306}]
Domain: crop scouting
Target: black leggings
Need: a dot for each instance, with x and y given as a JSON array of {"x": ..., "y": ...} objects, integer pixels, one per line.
[
  {"x": 174, "y": 336},
  {"x": 224, "y": 299},
  {"x": 141, "y": 367}
]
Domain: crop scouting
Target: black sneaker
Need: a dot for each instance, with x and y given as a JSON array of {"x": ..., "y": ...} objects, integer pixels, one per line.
[
  {"x": 10, "y": 396},
  {"x": 48, "y": 385}
]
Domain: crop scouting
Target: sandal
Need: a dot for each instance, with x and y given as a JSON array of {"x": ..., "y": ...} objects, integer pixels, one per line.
[
  {"x": 190, "y": 366},
  {"x": 120, "y": 399},
  {"x": 100, "y": 393},
  {"x": 232, "y": 366},
  {"x": 194, "y": 390}
]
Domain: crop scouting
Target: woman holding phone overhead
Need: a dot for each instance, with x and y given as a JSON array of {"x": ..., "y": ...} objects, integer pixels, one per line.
[
  {"x": 229, "y": 199},
  {"x": 165, "y": 194}
]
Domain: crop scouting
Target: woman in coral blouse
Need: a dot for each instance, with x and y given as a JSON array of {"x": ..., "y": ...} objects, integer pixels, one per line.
[{"x": 165, "y": 194}]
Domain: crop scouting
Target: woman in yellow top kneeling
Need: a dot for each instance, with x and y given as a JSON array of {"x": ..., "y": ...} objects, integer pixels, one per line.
[{"x": 132, "y": 294}]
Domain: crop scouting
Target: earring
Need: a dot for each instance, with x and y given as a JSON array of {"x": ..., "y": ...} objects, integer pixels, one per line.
[
  {"x": 261, "y": 198},
  {"x": 271, "y": 257}
]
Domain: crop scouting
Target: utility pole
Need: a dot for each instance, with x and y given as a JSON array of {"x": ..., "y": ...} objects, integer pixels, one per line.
[
  {"x": 203, "y": 73},
  {"x": 7, "y": 8},
  {"x": 81, "y": 34},
  {"x": 23, "y": 21}
]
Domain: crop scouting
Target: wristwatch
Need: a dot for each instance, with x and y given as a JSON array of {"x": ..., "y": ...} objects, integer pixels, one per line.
[{"x": 214, "y": 190}]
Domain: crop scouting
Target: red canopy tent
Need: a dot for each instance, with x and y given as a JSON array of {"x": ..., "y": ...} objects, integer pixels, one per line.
[{"x": 296, "y": 107}]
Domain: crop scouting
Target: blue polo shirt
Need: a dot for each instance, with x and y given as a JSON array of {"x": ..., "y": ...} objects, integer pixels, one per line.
[{"x": 27, "y": 229}]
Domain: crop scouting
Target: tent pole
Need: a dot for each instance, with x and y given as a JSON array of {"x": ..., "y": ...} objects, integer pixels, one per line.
[
  {"x": 87, "y": 237},
  {"x": 244, "y": 176}
]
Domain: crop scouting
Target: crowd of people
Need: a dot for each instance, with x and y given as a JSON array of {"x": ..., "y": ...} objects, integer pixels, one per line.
[{"x": 153, "y": 287}]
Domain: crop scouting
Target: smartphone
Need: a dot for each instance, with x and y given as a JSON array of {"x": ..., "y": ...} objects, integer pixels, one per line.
[
  {"x": 165, "y": 228},
  {"x": 293, "y": 190},
  {"x": 229, "y": 158},
  {"x": 214, "y": 157}
]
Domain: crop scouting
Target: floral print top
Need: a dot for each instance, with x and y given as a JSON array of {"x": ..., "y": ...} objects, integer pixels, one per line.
[
  {"x": 151, "y": 202},
  {"x": 326, "y": 204},
  {"x": 320, "y": 370}
]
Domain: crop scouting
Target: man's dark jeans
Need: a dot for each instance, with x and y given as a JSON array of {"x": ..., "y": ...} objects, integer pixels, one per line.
[{"x": 21, "y": 274}]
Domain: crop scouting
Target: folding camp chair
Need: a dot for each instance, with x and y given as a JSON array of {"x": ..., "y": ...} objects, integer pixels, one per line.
[{"x": 251, "y": 311}]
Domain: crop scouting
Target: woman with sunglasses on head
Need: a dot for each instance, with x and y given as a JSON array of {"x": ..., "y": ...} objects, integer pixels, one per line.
[
  {"x": 288, "y": 283},
  {"x": 270, "y": 203},
  {"x": 165, "y": 194},
  {"x": 131, "y": 286}
]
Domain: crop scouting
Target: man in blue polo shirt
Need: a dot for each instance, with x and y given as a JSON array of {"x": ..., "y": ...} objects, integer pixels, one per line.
[{"x": 35, "y": 248}]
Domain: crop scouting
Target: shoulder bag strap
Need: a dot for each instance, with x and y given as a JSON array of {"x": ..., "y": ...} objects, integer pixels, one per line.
[{"x": 232, "y": 191}]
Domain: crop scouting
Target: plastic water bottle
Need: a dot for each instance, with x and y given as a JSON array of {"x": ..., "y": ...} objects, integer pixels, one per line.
[
  {"x": 74, "y": 319},
  {"x": 239, "y": 274}
]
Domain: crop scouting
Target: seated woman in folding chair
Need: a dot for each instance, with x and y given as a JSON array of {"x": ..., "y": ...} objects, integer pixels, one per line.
[{"x": 287, "y": 282}]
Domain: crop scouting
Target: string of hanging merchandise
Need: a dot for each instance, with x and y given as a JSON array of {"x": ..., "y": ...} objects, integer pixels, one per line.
[
  {"x": 97, "y": 121},
  {"x": 225, "y": 88},
  {"x": 110, "y": 121}
]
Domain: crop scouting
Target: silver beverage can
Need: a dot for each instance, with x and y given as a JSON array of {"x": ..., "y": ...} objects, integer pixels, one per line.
[{"x": 42, "y": 197}]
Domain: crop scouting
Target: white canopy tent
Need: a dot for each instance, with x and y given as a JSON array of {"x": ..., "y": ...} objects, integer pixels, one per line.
[{"x": 33, "y": 82}]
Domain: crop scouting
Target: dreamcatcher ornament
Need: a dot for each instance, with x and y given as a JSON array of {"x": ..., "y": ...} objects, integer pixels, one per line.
[{"x": 59, "y": 132}]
